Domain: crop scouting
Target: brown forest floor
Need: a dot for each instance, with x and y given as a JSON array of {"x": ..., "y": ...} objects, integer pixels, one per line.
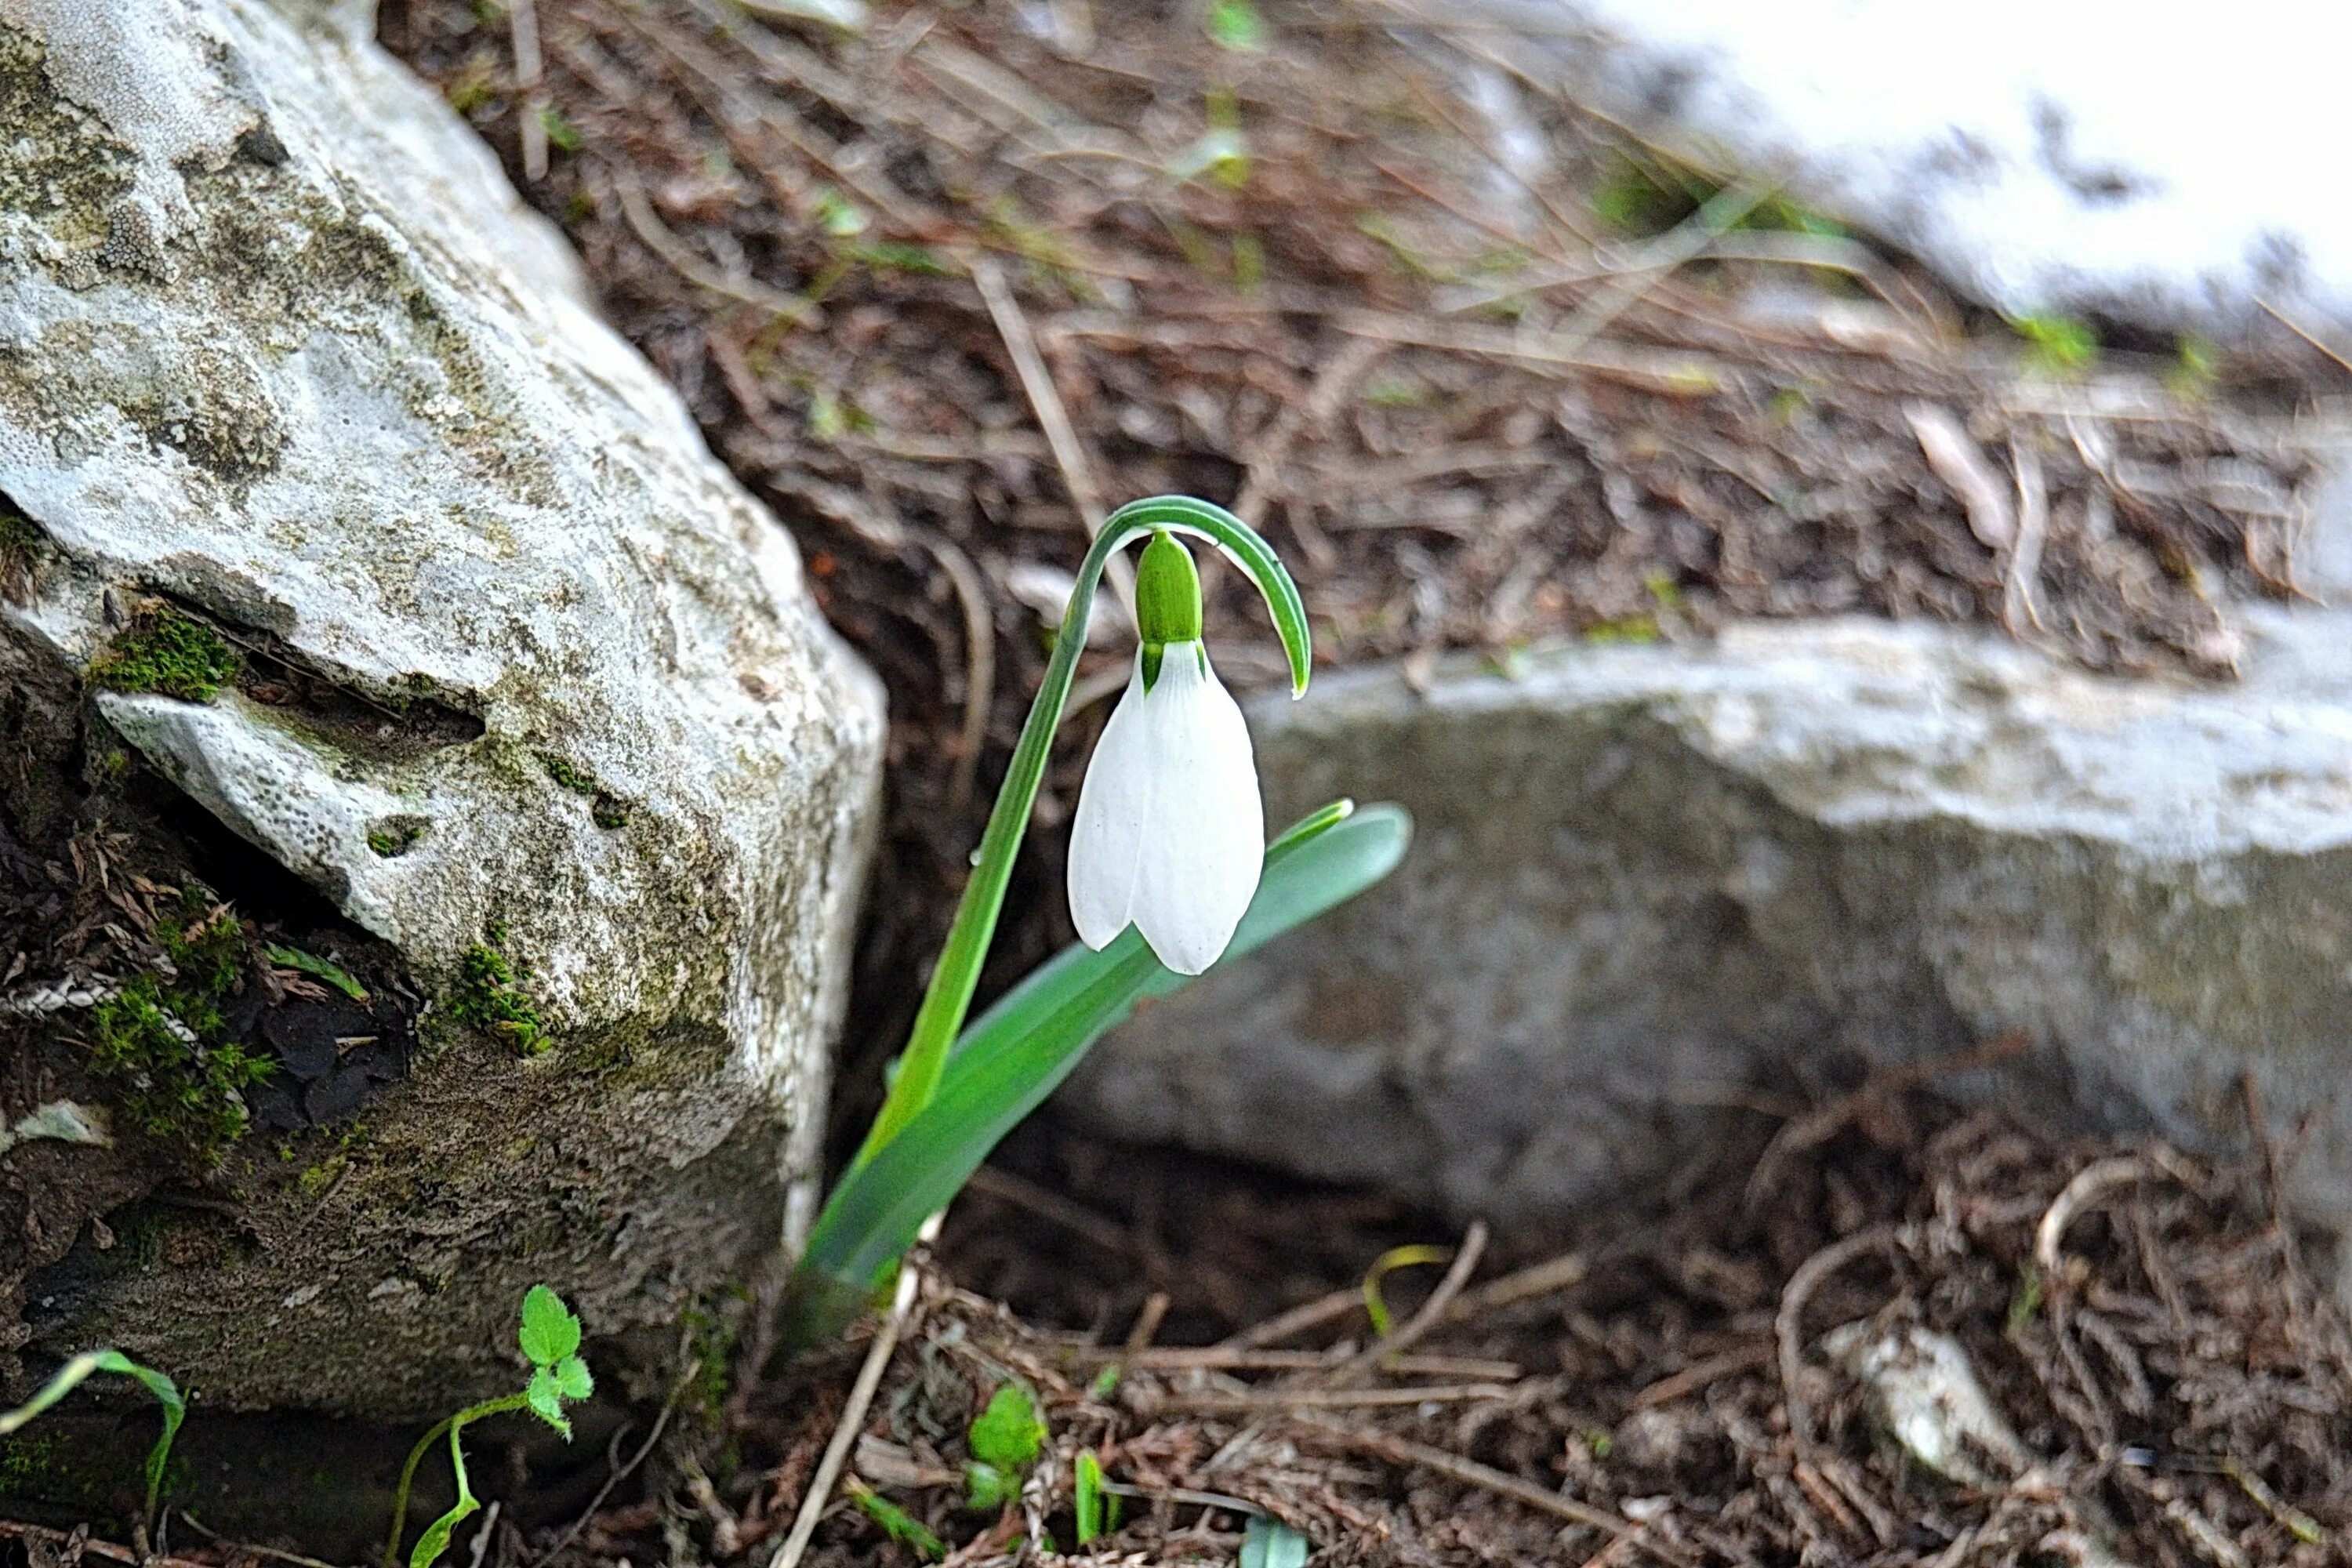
[{"x": 942, "y": 292}]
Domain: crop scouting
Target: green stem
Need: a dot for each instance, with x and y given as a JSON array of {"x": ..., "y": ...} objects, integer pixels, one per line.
[
  {"x": 949, "y": 997},
  {"x": 452, "y": 1425}
]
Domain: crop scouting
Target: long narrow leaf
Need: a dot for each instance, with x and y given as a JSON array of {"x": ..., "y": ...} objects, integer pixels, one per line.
[
  {"x": 167, "y": 1393},
  {"x": 1020, "y": 1051}
]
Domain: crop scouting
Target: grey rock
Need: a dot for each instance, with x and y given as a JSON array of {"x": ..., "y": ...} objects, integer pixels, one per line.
[
  {"x": 279, "y": 344},
  {"x": 1649, "y": 880}
]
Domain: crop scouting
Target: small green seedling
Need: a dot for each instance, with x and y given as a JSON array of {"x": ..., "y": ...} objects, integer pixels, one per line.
[
  {"x": 1235, "y": 24},
  {"x": 1006, "y": 1439},
  {"x": 1270, "y": 1543},
  {"x": 167, "y": 1393},
  {"x": 1086, "y": 1500},
  {"x": 1376, "y": 1305},
  {"x": 549, "y": 1336},
  {"x": 897, "y": 1523},
  {"x": 2057, "y": 345}
]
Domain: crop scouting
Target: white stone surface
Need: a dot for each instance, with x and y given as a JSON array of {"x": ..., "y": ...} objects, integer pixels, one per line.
[
  {"x": 278, "y": 342},
  {"x": 1648, "y": 879},
  {"x": 2167, "y": 163}
]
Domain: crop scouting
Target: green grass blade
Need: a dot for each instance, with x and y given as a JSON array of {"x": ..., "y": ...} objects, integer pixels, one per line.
[
  {"x": 70, "y": 1375},
  {"x": 1021, "y": 1050}
]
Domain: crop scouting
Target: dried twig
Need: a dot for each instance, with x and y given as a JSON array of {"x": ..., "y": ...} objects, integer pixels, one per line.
[{"x": 853, "y": 1417}]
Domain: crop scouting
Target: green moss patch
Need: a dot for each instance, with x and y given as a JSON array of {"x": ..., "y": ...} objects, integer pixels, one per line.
[
  {"x": 151, "y": 1046},
  {"x": 489, "y": 997},
  {"x": 604, "y": 808},
  {"x": 394, "y": 837},
  {"x": 170, "y": 653}
]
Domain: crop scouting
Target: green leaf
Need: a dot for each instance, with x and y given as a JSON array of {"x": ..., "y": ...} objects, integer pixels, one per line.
[
  {"x": 1236, "y": 25},
  {"x": 550, "y": 1331},
  {"x": 1018, "y": 1052},
  {"x": 1270, "y": 1543},
  {"x": 573, "y": 1379},
  {"x": 312, "y": 963},
  {"x": 1010, "y": 1432},
  {"x": 896, "y": 1522},
  {"x": 70, "y": 1375},
  {"x": 986, "y": 1487},
  {"x": 1088, "y": 1501},
  {"x": 547, "y": 1400}
]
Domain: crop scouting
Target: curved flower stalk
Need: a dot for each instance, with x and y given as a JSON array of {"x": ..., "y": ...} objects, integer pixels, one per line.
[
  {"x": 1170, "y": 828},
  {"x": 1169, "y": 869},
  {"x": 949, "y": 997}
]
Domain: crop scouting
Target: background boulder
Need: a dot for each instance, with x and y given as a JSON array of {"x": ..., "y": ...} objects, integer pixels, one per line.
[
  {"x": 333, "y": 511},
  {"x": 1651, "y": 883}
]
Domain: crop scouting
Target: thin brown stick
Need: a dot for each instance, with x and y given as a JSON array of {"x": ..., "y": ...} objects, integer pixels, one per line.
[
  {"x": 1502, "y": 1483},
  {"x": 1550, "y": 1277},
  {"x": 1307, "y": 1315},
  {"x": 1703, "y": 1374},
  {"x": 1219, "y": 1358},
  {"x": 1260, "y": 1402},
  {"x": 853, "y": 1417},
  {"x": 656, "y": 237},
  {"x": 2089, "y": 1185},
  {"x": 1045, "y": 401}
]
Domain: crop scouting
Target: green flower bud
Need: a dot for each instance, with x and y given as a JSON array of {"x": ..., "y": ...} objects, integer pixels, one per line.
[{"x": 1167, "y": 593}]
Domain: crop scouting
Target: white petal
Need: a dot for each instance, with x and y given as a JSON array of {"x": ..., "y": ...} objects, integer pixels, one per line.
[
  {"x": 1204, "y": 846},
  {"x": 1114, "y": 809}
]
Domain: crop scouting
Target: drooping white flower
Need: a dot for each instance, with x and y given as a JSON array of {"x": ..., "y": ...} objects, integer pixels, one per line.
[{"x": 1170, "y": 833}]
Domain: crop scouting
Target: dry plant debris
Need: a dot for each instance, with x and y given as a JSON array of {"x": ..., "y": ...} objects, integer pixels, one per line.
[{"x": 2120, "y": 1352}]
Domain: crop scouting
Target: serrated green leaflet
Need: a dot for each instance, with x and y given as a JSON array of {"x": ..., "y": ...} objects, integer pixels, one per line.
[
  {"x": 550, "y": 1331},
  {"x": 1021, "y": 1050}
]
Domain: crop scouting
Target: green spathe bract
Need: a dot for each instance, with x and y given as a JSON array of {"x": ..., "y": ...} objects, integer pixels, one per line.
[{"x": 1166, "y": 600}]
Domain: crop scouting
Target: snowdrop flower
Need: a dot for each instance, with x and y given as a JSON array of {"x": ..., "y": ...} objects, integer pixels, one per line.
[{"x": 1170, "y": 832}]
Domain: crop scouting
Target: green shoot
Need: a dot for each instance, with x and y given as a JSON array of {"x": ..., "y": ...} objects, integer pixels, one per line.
[
  {"x": 549, "y": 1337},
  {"x": 1235, "y": 24},
  {"x": 2057, "y": 345},
  {"x": 1270, "y": 1543},
  {"x": 1087, "y": 1500},
  {"x": 1006, "y": 1438},
  {"x": 312, "y": 965},
  {"x": 957, "y": 1092},
  {"x": 1376, "y": 1305},
  {"x": 167, "y": 1393},
  {"x": 897, "y": 1523},
  {"x": 1020, "y": 1051}
]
